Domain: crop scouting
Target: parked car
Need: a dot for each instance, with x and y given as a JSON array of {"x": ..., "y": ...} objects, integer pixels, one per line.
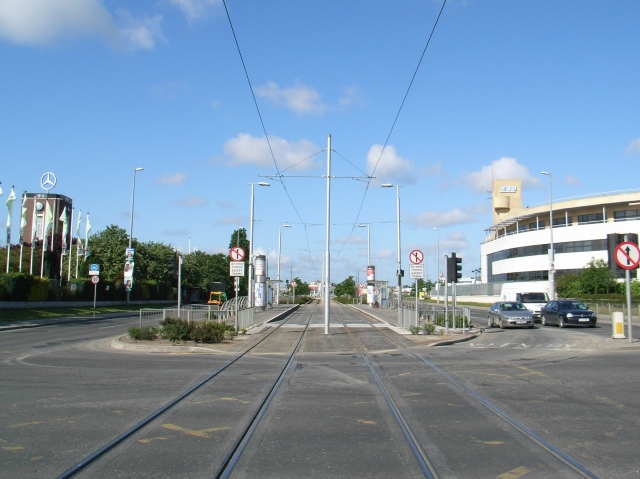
[
  {"x": 565, "y": 312},
  {"x": 510, "y": 314}
]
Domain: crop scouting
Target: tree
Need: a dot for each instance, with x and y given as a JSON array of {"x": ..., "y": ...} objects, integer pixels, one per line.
[
  {"x": 346, "y": 288},
  {"x": 152, "y": 262},
  {"x": 200, "y": 268},
  {"x": 596, "y": 278},
  {"x": 302, "y": 288},
  {"x": 108, "y": 249}
]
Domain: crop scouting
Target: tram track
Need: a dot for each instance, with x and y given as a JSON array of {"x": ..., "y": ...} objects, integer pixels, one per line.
[
  {"x": 91, "y": 465},
  {"x": 468, "y": 394}
]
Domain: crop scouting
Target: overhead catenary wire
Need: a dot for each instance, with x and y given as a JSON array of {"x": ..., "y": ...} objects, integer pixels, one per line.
[
  {"x": 255, "y": 102},
  {"x": 395, "y": 120}
]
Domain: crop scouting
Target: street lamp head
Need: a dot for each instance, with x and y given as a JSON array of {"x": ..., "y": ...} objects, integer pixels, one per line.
[
  {"x": 286, "y": 226},
  {"x": 263, "y": 183},
  {"x": 362, "y": 225},
  {"x": 386, "y": 185},
  {"x": 435, "y": 228},
  {"x": 546, "y": 173}
]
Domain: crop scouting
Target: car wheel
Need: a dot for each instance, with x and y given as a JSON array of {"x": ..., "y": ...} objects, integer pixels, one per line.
[
  {"x": 543, "y": 320},
  {"x": 489, "y": 323},
  {"x": 592, "y": 325},
  {"x": 500, "y": 325},
  {"x": 561, "y": 322}
]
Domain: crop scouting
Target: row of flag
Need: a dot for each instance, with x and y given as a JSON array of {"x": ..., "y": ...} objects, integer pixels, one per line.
[{"x": 47, "y": 226}]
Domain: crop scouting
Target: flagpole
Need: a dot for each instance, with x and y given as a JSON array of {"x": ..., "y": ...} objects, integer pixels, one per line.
[
  {"x": 10, "y": 200},
  {"x": 70, "y": 245},
  {"x": 78, "y": 241},
  {"x": 34, "y": 231},
  {"x": 23, "y": 223}
]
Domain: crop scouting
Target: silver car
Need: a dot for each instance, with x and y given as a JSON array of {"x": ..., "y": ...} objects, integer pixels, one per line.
[{"x": 510, "y": 314}]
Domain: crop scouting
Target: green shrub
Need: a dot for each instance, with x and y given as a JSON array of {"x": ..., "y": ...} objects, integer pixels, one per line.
[
  {"x": 429, "y": 328},
  {"x": 414, "y": 329},
  {"x": 148, "y": 333},
  {"x": 209, "y": 332},
  {"x": 175, "y": 329}
]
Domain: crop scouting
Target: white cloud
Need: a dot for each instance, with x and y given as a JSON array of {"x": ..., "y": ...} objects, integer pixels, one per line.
[
  {"x": 352, "y": 96},
  {"x": 572, "y": 180},
  {"x": 245, "y": 149},
  {"x": 232, "y": 220},
  {"x": 44, "y": 22},
  {"x": 440, "y": 219},
  {"x": 633, "y": 148},
  {"x": 298, "y": 98},
  {"x": 174, "y": 179},
  {"x": 192, "y": 201},
  {"x": 385, "y": 254},
  {"x": 504, "y": 168},
  {"x": 390, "y": 166},
  {"x": 196, "y": 10}
]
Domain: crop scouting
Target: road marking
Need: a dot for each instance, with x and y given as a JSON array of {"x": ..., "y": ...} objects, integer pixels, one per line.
[
  {"x": 193, "y": 432},
  {"x": 515, "y": 473}
]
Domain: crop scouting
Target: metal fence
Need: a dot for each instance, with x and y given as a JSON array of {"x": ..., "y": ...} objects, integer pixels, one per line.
[
  {"x": 433, "y": 314},
  {"x": 201, "y": 312}
]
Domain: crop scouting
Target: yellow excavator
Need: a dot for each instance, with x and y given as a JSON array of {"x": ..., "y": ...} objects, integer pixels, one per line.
[{"x": 217, "y": 296}]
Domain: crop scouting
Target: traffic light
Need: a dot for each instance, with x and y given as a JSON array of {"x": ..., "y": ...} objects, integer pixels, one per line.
[
  {"x": 173, "y": 266},
  {"x": 454, "y": 268}
]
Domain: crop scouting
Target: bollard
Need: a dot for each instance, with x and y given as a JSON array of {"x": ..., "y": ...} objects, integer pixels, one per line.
[{"x": 617, "y": 322}]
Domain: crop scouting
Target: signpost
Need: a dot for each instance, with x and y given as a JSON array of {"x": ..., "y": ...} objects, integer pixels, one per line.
[
  {"x": 416, "y": 271},
  {"x": 627, "y": 256},
  {"x": 94, "y": 272},
  {"x": 236, "y": 267}
]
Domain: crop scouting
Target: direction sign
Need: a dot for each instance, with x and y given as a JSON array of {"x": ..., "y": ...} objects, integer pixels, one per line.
[
  {"x": 416, "y": 271},
  {"x": 237, "y": 268},
  {"x": 627, "y": 255},
  {"x": 416, "y": 256},
  {"x": 236, "y": 253}
]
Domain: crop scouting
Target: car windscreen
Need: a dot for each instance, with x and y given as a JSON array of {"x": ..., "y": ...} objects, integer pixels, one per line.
[{"x": 533, "y": 298}]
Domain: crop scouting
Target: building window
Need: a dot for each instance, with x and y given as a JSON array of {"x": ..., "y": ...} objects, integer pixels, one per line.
[
  {"x": 592, "y": 218},
  {"x": 563, "y": 221},
  {"x": 626, "y": 215}
]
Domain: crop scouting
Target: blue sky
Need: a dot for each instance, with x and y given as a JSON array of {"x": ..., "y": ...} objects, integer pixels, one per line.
[{"x": 92, "y": 89}]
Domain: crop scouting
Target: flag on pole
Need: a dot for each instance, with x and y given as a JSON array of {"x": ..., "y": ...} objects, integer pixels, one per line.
[
  {"x": 78, "y": 225},
  {"x": 48, "y": 223},
  {"x": 23, "y": 217},
  {"x": 34, "y": 222},
  {"x": 86, "y": 236},
  {"x": 10, "y": 200},
  {"x": 65, "y": 229}
]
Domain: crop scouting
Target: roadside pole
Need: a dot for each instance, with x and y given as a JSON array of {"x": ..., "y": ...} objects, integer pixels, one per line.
[{"x": 446, "y": 298}]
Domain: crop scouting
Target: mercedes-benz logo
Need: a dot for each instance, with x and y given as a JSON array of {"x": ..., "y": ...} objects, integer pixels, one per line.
[{"x": 48, "y": 181}]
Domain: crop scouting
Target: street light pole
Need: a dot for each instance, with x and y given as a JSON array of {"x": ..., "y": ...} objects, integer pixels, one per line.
[
  {"x": 279, "y": 250},
  {"x": 399, "y": 272},
  {"x": 438, "y": 273},
  {"x": 552, "y": 268},
  {"x": 133, "y": 197},
  {"x": 250, "y": 292},
  {"x": 368, "y": 243}
]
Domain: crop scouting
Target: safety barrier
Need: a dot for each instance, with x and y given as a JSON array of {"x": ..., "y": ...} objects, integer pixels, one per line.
[
  {"x": 434, "y": 314},
  {"x": 199, "y": 313}
]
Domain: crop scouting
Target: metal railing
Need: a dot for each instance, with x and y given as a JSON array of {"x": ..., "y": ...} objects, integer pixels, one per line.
[
  {"x": 434, "y": 314},
  {"x": 201, "y": 312}
]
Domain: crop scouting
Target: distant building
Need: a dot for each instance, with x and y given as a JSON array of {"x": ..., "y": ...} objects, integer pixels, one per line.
[{"x": 516, "y": 247}]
